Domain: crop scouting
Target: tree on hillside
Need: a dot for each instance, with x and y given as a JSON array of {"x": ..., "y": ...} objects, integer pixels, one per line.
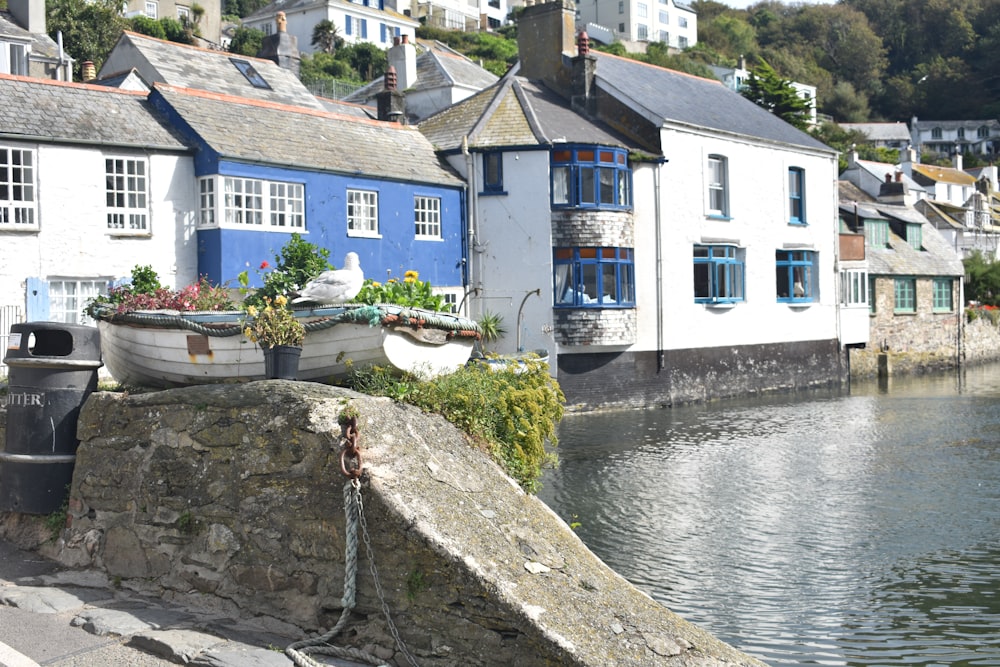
[
  {"x": 326, "y": 36},
  {"x": 246, "y": 41},
  {"x": 89, "y": 29},
  {"x": 768, "y": 90}
]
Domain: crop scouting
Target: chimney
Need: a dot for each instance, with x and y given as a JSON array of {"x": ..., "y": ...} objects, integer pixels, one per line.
[
  {"x": 584, "y": 65},
  {"x": 403, "y": 57},
  {"x": 391, "y": 102},
  {"x": 907, "y": 158},
  {"x": 888, "y": 178},
  {"x": 893, "y": 192},
  {"x": 281, "y": 48},
  {"x": 958, "y": 161},
  {"x": 29, "y": 14},
  {"x": 87, "y": 71},
  {"x": 544, "y": 33}
]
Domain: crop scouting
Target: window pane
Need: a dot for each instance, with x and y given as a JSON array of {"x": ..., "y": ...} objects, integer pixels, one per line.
[
  {"x": 607, "y": 177},
  {"x": 587, "y": 189},
  {"x": 560, "y": 185}
]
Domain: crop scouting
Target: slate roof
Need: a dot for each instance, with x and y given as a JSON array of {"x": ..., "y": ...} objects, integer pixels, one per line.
[
  {"x": 303, "y": 138},
  {"x": 881, "y": 131},
  {"x": 55, "y": 111},
  {"x": 42, "y": 46},
  {"x": 878, "y": 170},
  {"x": 900, "y": 259},
  {"x": 666, "y": 97},
  {"x": 159, "y": 61},
  {"x": 516, "y": 112}
]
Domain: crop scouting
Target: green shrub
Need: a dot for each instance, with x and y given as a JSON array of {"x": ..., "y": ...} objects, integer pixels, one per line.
[
  {"x": 511, "y": 411},
  {"x": 410, "y": 292}
]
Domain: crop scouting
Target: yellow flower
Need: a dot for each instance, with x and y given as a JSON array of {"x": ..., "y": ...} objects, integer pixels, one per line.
[
  {"x": 252, "y": 311},
  {"x": 410, "y": 276},
  {"x": 280, "y": 300}
]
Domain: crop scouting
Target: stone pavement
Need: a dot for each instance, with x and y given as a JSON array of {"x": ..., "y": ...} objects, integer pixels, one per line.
[{"x": 60, "y": 617}]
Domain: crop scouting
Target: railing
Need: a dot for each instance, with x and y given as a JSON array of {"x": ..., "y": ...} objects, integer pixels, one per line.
[{"x": 9, "y": 316}]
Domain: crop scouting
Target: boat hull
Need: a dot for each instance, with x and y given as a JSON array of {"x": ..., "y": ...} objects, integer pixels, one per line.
[{"x": 155, "y": 354}]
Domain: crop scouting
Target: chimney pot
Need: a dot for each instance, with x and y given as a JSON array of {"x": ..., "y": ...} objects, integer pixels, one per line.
[
  {"x": 87, "y": 71},
  {"x": 583, "y": 43},
  {"x": 888, "y": 178},
  {"x": 390, "y": 78},
  {"x": 899, "y": 177},
  {"x": 406, "y": 38},
  {"x": 282, "y": 22}
]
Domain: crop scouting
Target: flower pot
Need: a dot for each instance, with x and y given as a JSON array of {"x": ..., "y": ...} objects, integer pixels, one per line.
[{"x": 281, "y": 362}]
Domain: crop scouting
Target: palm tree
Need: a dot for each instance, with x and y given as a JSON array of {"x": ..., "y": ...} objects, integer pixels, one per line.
[{"x": 326, "y": 36}]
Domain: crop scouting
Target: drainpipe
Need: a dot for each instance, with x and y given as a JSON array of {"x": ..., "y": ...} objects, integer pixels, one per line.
[
  {"x": 660, "y": 358},
  {"x": 473, "y": 204}
]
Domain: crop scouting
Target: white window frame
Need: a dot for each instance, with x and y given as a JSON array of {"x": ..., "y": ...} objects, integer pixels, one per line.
[
  {"x": 183, "y": 13},
  {"x": 68, "y": 297},
  {"x": 126, "y": 188},
  {"x": 152, "y": 9},
  {"x": 718, "y": 186},
  {"x": 206, "y": 199},
  {"x": 362, "y": 213},
  {"x": 854, "y": 287},
  {"x": 287, "y": 205},
  {"x": 427, "y": 217},
  {"x": 18, "y": 186},
  {"x": 14, "y": 58}
]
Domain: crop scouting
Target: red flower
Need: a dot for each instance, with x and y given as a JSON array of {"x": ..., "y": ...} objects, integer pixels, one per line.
[{"x": 264, "y": 264}]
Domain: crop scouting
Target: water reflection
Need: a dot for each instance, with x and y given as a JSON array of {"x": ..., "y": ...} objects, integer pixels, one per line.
[{"x": 836, "y": 529}]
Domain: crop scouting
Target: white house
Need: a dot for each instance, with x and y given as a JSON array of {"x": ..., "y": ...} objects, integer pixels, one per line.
[
  {"x": 949, "y": 137},
  {"x": 364, "y": 21},
  {"x": 93, "y": 185},
  {"x": 674, "y": 24},
  {"x": 664, "y": 238}
]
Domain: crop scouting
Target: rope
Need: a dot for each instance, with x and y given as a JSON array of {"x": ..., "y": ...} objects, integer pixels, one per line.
[
  {"x": 300, "y": 651},
  {"x": 372, "y": 315}
]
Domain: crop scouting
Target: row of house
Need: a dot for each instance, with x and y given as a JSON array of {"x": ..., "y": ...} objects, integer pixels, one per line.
[{"x": 664, "y": 239}]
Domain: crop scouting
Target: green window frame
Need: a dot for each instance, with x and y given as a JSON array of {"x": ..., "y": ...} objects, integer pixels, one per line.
[
  {"x": 905, "y": 295},
  {"x": 877, "y": 233},
  {"x": 915, "y": 235},
  {"x": 943, "y": 295}
]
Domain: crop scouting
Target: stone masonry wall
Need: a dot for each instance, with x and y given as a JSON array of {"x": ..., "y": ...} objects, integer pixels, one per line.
[
  {"x": 595, "y": 326},
  {"x": 233, "y": 495}
]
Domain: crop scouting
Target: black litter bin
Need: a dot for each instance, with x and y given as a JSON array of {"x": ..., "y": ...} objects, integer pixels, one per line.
[{"x": 52, "y": 369}]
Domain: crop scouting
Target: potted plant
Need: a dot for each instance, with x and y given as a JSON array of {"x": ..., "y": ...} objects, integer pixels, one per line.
[{"x": 275, "y": 328}]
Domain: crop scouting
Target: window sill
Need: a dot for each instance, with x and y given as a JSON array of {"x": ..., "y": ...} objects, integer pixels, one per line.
[
  {"x": 800, "y": 305},
  {"x": 418, "y": 237},
  {"x": 23, "y": 229},
  {"x": 798, "y": 223},
  {"x": 363, "y": 235},
  {"x": 493, "y": 193},
  {"x": 719, "y": 305},
  {"x": 717, "y": 216},
  {"x": 124, "y": 234}
]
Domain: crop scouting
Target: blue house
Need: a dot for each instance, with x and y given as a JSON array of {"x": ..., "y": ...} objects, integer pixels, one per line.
[{"x": 344, "y": 182}]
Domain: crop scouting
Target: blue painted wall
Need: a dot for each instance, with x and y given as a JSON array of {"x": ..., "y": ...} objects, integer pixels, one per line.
[{"x": 224, "y": 252}]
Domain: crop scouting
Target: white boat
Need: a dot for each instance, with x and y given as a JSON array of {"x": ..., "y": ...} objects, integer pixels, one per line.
[{"x": 165, "y": 349}]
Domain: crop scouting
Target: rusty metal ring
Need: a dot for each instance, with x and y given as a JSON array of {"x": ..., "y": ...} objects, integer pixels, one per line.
[{"x": 356, "y": 472}]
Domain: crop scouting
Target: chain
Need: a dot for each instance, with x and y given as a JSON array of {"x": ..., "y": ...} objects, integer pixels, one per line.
[{"x": 378, "y": 584}]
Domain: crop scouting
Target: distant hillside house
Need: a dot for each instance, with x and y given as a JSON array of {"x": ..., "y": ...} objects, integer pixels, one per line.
[
  {"x": 209, "y": 24},
  {"x": 25, "y": 48},
  {"x": 882, "y": 135},
  {"x": 949, "y": 137},
  {"x": 363, "y": 21},
  {"x": 674, "y": 24}
]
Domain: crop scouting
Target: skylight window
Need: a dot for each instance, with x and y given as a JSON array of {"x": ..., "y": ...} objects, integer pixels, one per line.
[{"x": 252, "y": 75}]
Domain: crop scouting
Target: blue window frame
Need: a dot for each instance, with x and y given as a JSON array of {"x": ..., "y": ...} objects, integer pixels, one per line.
[
  {"x": 493, "y": 173},
  {"x": 719, "y": 274},
  {"x": 796, "y": 196},
  {"x": 594, "y": 277},
  {"x": 591, "y": 177},
  {"x": 718, "y": 186},
  {"x": 795, "y": 275}
]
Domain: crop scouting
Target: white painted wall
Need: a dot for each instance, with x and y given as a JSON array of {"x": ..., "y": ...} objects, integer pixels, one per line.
[
  {"x": 516, "y": 254},
  {"x": 72, "y": 240},
  {"x": 758, "y": 177}
]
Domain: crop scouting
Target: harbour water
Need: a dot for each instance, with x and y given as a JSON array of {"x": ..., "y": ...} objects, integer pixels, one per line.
[{"x": 858, "y": 528}]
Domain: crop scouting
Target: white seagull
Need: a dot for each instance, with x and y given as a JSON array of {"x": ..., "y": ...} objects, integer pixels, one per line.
[{"x": 335, "y": 286}]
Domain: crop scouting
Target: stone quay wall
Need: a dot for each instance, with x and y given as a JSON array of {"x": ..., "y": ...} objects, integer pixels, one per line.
[{"x": 233, "y": 496}]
